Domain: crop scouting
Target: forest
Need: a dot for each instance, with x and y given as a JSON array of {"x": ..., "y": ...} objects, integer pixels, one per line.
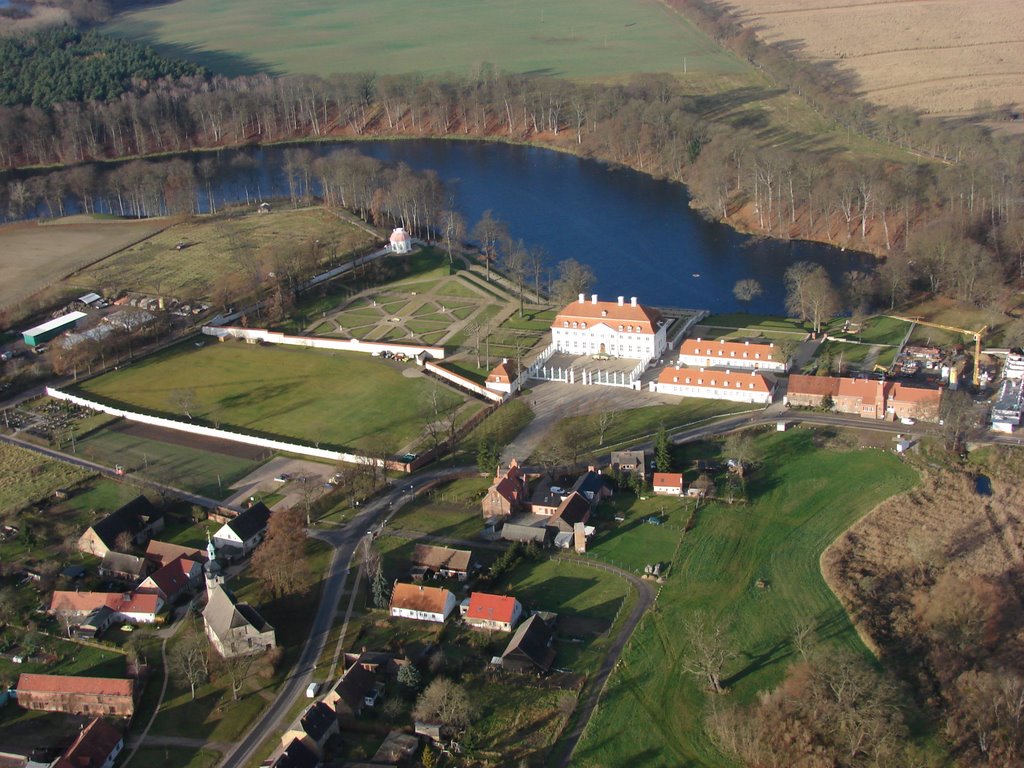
[{"x": 61, "y": 64}]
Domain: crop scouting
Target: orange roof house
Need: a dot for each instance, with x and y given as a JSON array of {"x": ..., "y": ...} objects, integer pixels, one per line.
[
  {"x": 77, "y": 695},
  {"x": 612, "y": 328},
  {"x": 640, "y": 318},
  {"x": 906, "y": 401},
  {"x": 741, "y": 386},
  {"x": 414, "y": 601},
  {"x": 502, "y": 376},
  {"x": 668, "y": 483},
  {"x": 869, "y": 398},
  {"x": 163, "y": 552},
  {"x": 496, "y": 612},
  {"x": 174, "y": 579},
  {"x": 130, "y": 606},
  {"x": 733, "y": 354}
]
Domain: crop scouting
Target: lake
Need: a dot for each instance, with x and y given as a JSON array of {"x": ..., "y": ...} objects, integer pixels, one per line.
[{"x": 638, "y": 234}]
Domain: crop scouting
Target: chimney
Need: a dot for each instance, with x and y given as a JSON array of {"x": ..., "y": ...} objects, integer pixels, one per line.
[
  {"x": 504, "y": 360},
  {"x": 622, "y": 300},
  {"x": 746, "y": 343},
  {"x": 582, "y": 299},
  {"x": 632, "y": 301},
  {"x": 593, "y": 298}
]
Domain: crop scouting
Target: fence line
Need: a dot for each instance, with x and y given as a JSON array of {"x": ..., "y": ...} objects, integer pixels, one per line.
[
  {"x": 343, "y": 345},
  {"x": 223, "y": 434},
  {"x": 463, "y": 382}
]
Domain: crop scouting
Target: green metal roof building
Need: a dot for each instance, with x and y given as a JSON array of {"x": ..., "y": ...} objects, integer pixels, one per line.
[{"x": 52, "y": 328}]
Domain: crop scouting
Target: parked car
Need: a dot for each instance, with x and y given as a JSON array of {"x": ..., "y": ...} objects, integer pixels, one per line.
[
  {"x": 284, "y": 477},
  {"x": 907, "y": 420},
  {"x": 312, "y": 690}
]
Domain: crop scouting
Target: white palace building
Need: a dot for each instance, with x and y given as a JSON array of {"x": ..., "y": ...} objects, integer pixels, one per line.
[
  {"x": 612, "y": 328},
  {"x": 698, "y": 353}
]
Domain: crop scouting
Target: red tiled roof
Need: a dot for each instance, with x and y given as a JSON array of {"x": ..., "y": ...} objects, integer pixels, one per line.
[
  {"x": 727, "y": 349},
  {"x": 667, "y": 479},
  {"x": 413, "y": 597},
  {"x": 697, "y": 377},
  {"x": 122, "y": 602},
  {"x": 503, "y": 372},
  {"x": 645, "y": 320},
  {"x": 487, "y": 607},
  {"x": 867, "y": 390},
  {"x": 172, "y": 578},
  {"x": 800, "y": 384},
  {"x": 100, "y": 686},
  {"x": 907, "y": 394},
  {"x": 163, "y": 552},
  {"x": 92, "y": 747}
]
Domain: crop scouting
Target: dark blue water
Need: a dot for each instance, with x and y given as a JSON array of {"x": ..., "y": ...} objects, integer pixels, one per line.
[{"x": 638, "y": 234}]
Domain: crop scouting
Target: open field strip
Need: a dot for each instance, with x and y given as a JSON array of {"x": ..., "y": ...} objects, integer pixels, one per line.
[
  {"x": 215, "y": 246},
  {"x": 802, "y": 498},
  {"x": 394, "y": 36},
  {"x": 941, "y": 57},
  {"x": 342, "y": 399}
]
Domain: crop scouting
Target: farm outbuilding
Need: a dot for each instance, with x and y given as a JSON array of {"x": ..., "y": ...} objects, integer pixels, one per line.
[{"x": 51, "y": 329}]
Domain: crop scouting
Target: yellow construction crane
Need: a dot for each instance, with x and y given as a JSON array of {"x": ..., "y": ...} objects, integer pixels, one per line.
[{"x": 966, "y": 332}]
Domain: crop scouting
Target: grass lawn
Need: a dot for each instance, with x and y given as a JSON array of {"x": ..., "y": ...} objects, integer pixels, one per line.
[
  {"x": 636, "y": 423},
  {"x": 567, "y": 588},
  {"x": 214, "y": 246},
  {"x": 173, "y": 757},
  {"x": 803, "y": 498},
  {"x": 67, "y": 658},
  {"x": 877, "y": 330},
  {"x": 765, "y": 323},
  {"x": 29, "y": 477},
  {"x": 204, "y": 472},
  {"x": 338, "y": 399},
  {"x": 633, "y": 543},
  {"x": 451, "y": 510},
  {"x": 844, "y": 355},
  {"x": 243, "y": 36}
]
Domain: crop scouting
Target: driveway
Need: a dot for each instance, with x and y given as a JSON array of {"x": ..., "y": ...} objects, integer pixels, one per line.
[{"x": 262, "y": 479}]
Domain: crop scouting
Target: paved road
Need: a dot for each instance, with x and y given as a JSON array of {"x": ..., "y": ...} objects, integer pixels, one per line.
[{"x": 344, "y": 541}]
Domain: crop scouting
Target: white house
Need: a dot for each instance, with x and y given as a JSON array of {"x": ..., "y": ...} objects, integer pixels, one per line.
[
  {"x": 495, "y": 612},
  {"x": 698, "y": 353},
  {"x": 744, "y": 387},
  {"x": 400, "y": 241},
  {"x": 414, "y": 601},
  {"x": 611, "y": 328},
  {"x": 240, "y": 535},
  {"x": 668, "y": 484}
]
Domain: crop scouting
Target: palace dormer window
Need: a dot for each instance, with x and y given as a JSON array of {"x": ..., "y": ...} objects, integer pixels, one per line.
[
  {"x": 575, "y": 324},
  {"x": 566, "y": 323},
  {"x": 583, "y": 325},
  {"x": 620, "y": 327}
]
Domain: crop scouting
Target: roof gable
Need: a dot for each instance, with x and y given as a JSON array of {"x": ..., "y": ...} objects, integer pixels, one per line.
[
  {"x": 131, "y": 519},
  {"x": 415, "y": 597},
  {"x": 250, "y": 522}
]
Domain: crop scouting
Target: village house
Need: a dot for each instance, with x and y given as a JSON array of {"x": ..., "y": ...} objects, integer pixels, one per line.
[
  {"x": 609, "y": 328},
  {"x": 702, "y": 488},
  {"x": 593, "y": 486},
  {"x": 235, "y": 629},
  {"x": 668, "y": 484},
  {"x": 162, "y": 552},
  {"x": 509, "y": 493},
  {"x": 296, "y": 755},
  {"x": 697, "y": 353},
  {"x": 313, "y": 728},
  {"x": 242, "y": 534},
  {"x": 630, "y": 463},
  {"x": 449, "y": 563},
  {"x": 414, "y": 601},
  {"x": 131, "y": 607},
  {"x": 744, "y": 387},
  {"x": 118, "y": 565},
  {"x": 576, "y": 508},
  {"x": 97, "y": 746},
  {"x": 531, "y": 647},
  {"x": 137, "y": 520},
  {"x": 366, "y": 672},
  {"x": 100, "y": 696},
  {"x": 493, "y": 612},
  {"x": 503, "y": 376},
  {"x": 175, "y": 579},
  {"x": 907, "y": 402}
]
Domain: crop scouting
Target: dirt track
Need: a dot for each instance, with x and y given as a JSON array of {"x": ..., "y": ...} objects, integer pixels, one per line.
[
  {"x": 938, "y": 56},
  {"x": 174, "y": 437}
]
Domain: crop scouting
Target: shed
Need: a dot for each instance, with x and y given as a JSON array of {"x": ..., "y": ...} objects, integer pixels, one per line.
[{"x": 51, "y": 329}]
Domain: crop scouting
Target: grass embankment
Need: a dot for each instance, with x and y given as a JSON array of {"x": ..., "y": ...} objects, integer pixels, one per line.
[
  {"x": 802, "y": 498},
  {"x": 536, "y": 36},
  {"x": 342, "y": 399},
  {"x": 29, "y": 477},
  {"x": 214, "y": 246}
]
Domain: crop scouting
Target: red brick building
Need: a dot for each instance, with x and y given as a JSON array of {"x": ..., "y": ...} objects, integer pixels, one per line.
[{"x": 104, "y": 696}]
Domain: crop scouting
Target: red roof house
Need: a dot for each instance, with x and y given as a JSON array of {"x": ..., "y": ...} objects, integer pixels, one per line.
[
  {"x": 173, "y": 580},
  {"x": 497, "y": 612},
  {"x": 668, "y": 483},
  {"x": 97, "y": 746},
  {"x": 77, "y": 695}
]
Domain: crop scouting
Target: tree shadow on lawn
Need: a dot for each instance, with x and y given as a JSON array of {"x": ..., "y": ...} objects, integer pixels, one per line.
[{"x": 191, "y": 717}]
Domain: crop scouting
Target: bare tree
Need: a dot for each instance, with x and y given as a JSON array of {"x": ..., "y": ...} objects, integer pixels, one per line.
[
  {"x": 189, "y": 660},
  {"x": 453, "y": 230},
  {"x": 604, "y": 417},
  {"x": 573, "y": 279},
  {"x": 445, "y": 702},
  {"x": 709, "y": 651},
  {"x": 183, "y": 400},
  {"x": 747, "y": 290},
  {"x": 280, "y": 561}
]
